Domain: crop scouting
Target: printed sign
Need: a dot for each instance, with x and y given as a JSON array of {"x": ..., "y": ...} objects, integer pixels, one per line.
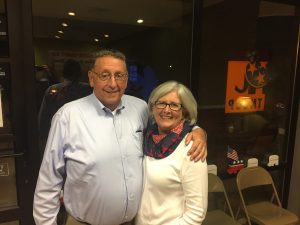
[
  {"x": 245, "y": 82},
  {"x": 4, "y": 170}
]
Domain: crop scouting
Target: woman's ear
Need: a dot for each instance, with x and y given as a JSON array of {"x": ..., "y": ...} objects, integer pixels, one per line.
[{"x": 185, "y": 114}]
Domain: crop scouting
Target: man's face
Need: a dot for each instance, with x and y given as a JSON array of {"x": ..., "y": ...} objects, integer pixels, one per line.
[{"x": 109, "y": 91}]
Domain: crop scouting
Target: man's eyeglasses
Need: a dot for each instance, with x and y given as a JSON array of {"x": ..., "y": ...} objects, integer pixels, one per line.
[
  {"x": 173, "y": 106},
  {"x": 107, "y": 76}
]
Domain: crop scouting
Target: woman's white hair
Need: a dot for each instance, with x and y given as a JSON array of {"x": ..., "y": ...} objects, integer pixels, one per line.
[{"x": 186, "y": 97}]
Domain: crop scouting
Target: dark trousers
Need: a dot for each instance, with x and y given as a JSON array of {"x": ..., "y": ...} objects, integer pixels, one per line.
[{"x": 72, "y": 221}]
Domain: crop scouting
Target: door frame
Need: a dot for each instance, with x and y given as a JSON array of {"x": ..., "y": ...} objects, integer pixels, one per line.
[{"x": 24, "y": 113}]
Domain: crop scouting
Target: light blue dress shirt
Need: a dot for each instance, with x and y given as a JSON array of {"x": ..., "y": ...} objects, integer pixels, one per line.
[{"x": 97, "y": 156}]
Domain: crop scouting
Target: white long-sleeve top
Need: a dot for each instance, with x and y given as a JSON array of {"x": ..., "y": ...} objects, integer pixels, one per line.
[{"x": 175, "y": 190}]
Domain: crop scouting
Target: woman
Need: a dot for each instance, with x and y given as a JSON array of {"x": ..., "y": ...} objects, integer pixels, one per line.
[{"x": 175, "y": 188}]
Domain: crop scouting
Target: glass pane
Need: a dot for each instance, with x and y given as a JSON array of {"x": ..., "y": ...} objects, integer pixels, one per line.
[
  {"x": 157, "y": 48},
  {"x": 5, "y": 104},
  {"x": 8, "y": 190},
  {"x": 10, "y": 223},
  {"x": 3, "y": 31},
  {"x": 245, "y": 78}
]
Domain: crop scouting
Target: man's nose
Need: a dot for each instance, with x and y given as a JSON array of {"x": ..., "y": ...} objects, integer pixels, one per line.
[{"x": 112, "y": 81}]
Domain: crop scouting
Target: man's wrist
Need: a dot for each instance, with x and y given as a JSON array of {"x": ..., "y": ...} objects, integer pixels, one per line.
[{"x": 202, "y": 131}]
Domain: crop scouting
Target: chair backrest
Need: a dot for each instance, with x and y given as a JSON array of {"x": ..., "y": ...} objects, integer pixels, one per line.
[
  {"x": 261, "y": 211},
  {"x": 215, "y": 184},
  {"x": 253, "y": 176}
]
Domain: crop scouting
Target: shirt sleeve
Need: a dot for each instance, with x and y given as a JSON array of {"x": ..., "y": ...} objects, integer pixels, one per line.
[
  {"x": 194, "y": 183},
  {"x": 204, "y": 132},
  {"x": 51, "y": 176}
]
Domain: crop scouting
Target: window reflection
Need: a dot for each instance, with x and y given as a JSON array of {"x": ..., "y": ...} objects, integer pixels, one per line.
[
  {"x": 3, "y": 31},
  {"x": 150, "y": 45},
  {"x": 253, "y": 121},
  {"x": 152, "y": 34},
  {"x": 8, "y": 189},
  {"x": 11, "y": 223}
]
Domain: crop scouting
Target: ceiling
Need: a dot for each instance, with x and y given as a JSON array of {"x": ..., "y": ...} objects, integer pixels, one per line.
[
  {"x": 118, "y": 18},
  {"x": 94, "y": 18}
]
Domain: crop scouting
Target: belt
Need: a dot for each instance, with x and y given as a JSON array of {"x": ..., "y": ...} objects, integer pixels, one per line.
[{"x": 72, "y": 221}]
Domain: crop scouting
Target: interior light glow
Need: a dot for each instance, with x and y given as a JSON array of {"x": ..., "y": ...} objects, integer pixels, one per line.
[
  {"x": 56, "y": 36},
  {"x": 244, "y": 102},
  {"x": 96, "y": 39},
  {"x": 71, "y": 13},
  {"x": 60, "y": 31},
  {"x": 106, "y": 35},
  {"x": 140, "y": 21},
  {"x": 64, "y": 24}
]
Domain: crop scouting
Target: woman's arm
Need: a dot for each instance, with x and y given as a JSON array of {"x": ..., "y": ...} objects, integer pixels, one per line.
[{"x": 194, "y": 183}]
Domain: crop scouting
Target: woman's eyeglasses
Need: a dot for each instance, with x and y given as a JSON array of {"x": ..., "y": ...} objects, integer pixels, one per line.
[{"x": 173, "y": 106}]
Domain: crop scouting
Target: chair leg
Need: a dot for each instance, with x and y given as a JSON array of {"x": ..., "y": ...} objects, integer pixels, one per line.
[{"x": 238, "y": 213}]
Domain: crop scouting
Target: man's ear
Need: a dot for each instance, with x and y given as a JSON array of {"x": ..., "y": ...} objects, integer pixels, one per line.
[{"x": 91, "y": 78}]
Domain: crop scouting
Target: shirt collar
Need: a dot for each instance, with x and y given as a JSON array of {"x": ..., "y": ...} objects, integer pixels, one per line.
[{"x": 101, "y": 107}]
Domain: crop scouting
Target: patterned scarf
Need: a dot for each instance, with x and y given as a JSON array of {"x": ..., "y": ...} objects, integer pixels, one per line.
[{"x": 158, "y": 146}]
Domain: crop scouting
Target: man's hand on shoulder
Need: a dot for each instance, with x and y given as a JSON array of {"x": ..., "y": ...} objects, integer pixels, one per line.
[{"x": 199, "y": 147}]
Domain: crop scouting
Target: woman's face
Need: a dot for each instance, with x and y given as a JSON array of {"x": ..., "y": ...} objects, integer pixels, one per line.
[{"x": 171, "y": 115}]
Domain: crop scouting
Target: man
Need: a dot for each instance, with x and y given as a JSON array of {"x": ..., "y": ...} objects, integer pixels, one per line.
[
  {"x": 59, "y": 94},
  {"x": 94, "y": 151}
]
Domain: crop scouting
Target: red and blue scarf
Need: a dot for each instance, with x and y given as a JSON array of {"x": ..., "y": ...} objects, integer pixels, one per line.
[{"x": 160, "y": 146}]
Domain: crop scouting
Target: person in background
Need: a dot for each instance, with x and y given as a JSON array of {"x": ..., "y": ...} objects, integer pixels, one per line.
[
  {"x": 94, "y": 151},
  {"x": 59, "y": 94},
  {"x": 175, "y": 188},
  {"x": 55, "y": 97}
]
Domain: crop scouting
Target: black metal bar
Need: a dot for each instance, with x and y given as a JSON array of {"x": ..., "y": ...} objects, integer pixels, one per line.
[
  {"x": 292, "y": 124},
  {"x": 195, "y": 47},
  {"x": 11, "y": 155}
]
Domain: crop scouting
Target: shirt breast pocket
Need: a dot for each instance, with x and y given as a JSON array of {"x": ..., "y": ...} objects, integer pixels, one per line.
[{"x": 137, "y": 143}]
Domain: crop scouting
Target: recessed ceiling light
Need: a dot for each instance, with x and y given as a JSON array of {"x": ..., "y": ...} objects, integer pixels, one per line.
[
  {"x": 140, "y": 21},
  {"x": 60, "y": 31},
  {"x": 56, "y": 36},
  {"x": 106, "y": 35},
  {"x": 96, "y": 39},
  {"x": 71, "y": 13},
  {"x": 64, "y": 24}
]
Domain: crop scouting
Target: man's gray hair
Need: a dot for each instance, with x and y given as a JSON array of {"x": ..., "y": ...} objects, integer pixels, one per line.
[{"x": 111, "y": 52}]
